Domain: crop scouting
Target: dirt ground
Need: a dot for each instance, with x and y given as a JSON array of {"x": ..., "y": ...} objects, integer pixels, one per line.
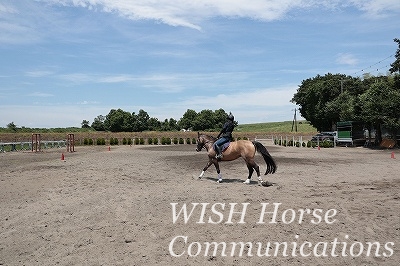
[{"x": 101, "y": 207}]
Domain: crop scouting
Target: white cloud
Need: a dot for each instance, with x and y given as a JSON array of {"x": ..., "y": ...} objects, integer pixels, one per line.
[
  {"x": 40, "y": 94},
  {"x": 378, "y": 8},
  {"x": 346, "y": 59},
  {"x": 192, "y": 13},
  {"x": 252, "y": 106},
  {"x": 38, "y": 73},
  {"x": 256, "y": 98}
]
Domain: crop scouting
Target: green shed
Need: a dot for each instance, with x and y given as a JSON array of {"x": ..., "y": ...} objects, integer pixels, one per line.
[{"x": 350, "y": 132}]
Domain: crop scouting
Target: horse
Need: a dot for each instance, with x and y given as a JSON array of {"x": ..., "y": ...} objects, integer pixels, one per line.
[{"x": 240, "y": 148}]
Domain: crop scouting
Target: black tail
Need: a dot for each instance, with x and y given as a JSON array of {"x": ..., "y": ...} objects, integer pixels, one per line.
[{"x": 271, "y": 165}]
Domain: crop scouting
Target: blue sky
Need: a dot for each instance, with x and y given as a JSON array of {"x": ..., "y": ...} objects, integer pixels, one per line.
[{"x": 65, "y": 61}]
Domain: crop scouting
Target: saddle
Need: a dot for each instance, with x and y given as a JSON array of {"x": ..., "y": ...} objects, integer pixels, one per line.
[{"x": 224, "y": 146}]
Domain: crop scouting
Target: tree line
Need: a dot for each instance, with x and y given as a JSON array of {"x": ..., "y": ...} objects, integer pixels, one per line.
[
  {"x": 374, "y": 100},
  {"x": 118, "y": 120}
]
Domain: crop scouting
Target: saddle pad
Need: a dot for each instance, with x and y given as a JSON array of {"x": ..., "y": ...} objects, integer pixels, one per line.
[{"x": 224, "y": 146}]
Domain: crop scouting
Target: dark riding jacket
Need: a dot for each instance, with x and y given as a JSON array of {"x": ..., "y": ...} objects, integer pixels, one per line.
[{"x": 227, "y": 130}]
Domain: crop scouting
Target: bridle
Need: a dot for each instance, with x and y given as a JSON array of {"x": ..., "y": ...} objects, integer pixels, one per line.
[{"x": 203, "y": 145}]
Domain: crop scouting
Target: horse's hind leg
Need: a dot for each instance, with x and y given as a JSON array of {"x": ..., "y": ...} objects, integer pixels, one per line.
[
  {"x": 216, "y": 164},
  {"x": 251, "y": 165}
]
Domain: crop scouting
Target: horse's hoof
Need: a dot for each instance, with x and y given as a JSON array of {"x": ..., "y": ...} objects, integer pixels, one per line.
[
  {"x": 219, "y": 181},
  {"x": 247, "y": 181}
]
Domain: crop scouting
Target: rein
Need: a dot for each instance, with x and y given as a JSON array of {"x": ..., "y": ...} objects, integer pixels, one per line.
[{"x": 205, "y": 144}]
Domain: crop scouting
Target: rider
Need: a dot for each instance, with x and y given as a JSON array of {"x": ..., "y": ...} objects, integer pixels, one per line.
[{"x": 226, "y": 133}]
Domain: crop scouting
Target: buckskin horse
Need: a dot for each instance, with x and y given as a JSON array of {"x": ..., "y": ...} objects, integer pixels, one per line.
[{"x": 240, "y": 148}]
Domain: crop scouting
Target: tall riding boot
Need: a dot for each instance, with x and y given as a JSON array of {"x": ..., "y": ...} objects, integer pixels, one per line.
[{"x": 218, "y": 152}]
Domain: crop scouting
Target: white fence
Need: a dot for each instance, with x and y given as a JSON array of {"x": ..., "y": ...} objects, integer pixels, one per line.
[{"x": 27, "y": 145}]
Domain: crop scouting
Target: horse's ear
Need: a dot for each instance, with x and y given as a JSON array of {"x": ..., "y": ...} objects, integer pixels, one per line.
[{"x": 198, "y": 134}]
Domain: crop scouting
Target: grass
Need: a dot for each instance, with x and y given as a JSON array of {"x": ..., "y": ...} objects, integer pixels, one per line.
[
  {"x": 303, "y": 127},
  {"x": 243, "y": 130}
]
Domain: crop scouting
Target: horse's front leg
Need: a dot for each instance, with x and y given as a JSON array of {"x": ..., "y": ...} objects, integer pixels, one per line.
[
  {"x": 209, "y": 163},
  {"x": 216, "y": 164}
]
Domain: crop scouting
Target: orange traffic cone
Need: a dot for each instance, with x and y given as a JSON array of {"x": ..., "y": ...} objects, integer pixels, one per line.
[
  {"x": 392, "y": 155},
  {"x": 62, "y": 157},
  {"x": 109, "y": 148}
]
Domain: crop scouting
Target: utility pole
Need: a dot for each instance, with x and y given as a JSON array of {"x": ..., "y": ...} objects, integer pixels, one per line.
[{"x": 294, "y": 124}]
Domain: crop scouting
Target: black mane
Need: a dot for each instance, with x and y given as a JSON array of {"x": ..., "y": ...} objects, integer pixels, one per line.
[{"x": 210, "y": 137}]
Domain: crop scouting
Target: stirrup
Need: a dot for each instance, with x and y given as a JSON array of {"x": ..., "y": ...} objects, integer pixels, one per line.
[{"x": 218, "y": 156}]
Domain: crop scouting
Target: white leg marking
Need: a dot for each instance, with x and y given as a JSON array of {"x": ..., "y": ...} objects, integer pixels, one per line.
[
  {"x": 201, "y": 175},
  {"x": 219, "y": 178}
]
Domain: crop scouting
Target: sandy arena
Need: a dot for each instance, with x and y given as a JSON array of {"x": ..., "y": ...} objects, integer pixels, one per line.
[{"x": 101, "y": 207}]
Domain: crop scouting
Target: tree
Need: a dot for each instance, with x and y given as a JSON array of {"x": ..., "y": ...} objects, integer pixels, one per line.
[
  {"x": 98, "y": 123},
  {"x": 165, "y": 126},
  {"x": 381, "y": 106},
  {"x": 342, "y": 108},
  {"x": 173, "y": 124},
  {"x": 220, "y": 118},
  {"x": 12, "y": 127},
  {"x": 140, "y": 121},
  {"x": 395, "y": 66},
  {"x": 204, "y": 120},
  {"x": 313, "y": 95},
  {"x": 153, "y": 124},
  {"x": 187, "y": 120},
  {"x": 85, "y": 124},
  {"x": 118, "y": 121}
]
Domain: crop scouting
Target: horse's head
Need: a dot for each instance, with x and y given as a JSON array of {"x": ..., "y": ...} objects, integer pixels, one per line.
[
  {"x": 203, "y": 140},
  {"x": 200, "y": 142}
]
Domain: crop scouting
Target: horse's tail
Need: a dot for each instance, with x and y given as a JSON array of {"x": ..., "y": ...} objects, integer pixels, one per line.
[{"x": 271, "y": 165}]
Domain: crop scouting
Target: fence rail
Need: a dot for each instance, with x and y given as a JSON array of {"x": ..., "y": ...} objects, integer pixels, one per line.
[{"x": 27, "y": 145}]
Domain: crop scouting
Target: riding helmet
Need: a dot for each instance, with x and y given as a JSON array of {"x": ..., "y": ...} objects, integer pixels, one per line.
[{"x": 230, "y": 116}]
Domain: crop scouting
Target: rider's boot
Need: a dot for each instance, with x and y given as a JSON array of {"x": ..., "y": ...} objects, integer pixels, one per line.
[{"x": 218, "y": 152}]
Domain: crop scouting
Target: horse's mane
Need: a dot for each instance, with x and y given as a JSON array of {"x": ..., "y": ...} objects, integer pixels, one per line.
[{"x": 210, "y": 137}]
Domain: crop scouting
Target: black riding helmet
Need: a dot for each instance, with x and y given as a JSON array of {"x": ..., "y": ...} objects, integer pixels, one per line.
[{"x": 230, "y": 116}]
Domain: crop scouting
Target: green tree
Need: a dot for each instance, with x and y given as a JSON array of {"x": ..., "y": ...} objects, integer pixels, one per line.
[
  {"x": 204, "y": 120},
  {"x": 395, "y": 66},
  {"x": 187, "y": 120},
  {"x": 219, "y": 118},
  {"x": 381, "y": 105},
  {"x": 118, "y": 121},
  {"x": 320, "y": 99},
  {"x": 140, "y": 121},
  {"x": 85, "y": 124},
  {"x": 165, "y": 126},
  {"x": 153, "y": 124},
  {"x": 12, "y": 127},
  {"x": 342, "y": 108},
  {"x": 98, "y": 123},
  {"x": 173, "y": 124}
]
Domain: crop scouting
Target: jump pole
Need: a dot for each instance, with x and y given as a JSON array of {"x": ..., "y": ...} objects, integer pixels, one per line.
[
  {"x": 35, "y": 143},
  {"x": 71, "y": 143}
]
